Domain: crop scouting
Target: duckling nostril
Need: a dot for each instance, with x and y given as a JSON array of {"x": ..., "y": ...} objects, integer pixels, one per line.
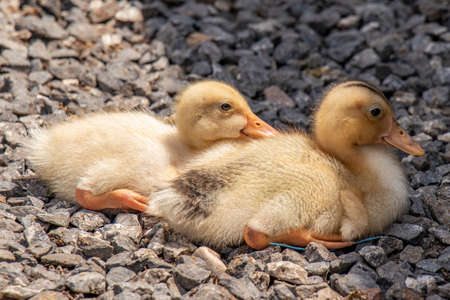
[
  {"x": 401, "y": 132},
  {"x": 257, "y": 124}
]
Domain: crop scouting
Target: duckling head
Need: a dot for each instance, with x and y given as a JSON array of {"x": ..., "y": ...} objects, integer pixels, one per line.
[
  {"x": 354, "y": 114},
  {"x": 208, "y": 111}
]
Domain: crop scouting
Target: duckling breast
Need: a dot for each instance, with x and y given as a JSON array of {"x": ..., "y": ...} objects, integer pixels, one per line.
[{"x": 386, "y": 189}]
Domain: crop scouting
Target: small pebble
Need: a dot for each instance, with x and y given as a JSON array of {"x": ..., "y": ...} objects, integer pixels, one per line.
[{"x": 287, "y": 271}]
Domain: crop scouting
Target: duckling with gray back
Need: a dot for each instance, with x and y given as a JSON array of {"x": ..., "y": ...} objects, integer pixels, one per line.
[{"x": 340, "y": 184}]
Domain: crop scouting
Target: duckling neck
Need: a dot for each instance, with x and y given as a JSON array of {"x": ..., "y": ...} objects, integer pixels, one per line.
[
  {"x": 349, "y": 155},
  {"x": 195, "y": 144}
]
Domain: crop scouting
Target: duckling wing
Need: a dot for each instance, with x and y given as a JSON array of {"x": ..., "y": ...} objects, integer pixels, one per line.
[{"x": 193, "y": 194}]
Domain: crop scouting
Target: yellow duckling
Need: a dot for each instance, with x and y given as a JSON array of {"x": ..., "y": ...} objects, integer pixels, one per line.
[
  {"x": 341, "y": 184},
  {"x": 109, "y": 160}
]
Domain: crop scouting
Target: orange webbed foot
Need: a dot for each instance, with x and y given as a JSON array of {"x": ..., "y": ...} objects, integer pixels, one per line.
[
  {"x": 297, "y": 237},
  {"x": 121, "y": 198}
]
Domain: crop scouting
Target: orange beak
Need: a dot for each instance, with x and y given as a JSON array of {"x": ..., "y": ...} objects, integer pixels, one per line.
[
  {"x": 257, "y": 128},
  {"x": 399, "y": 139}
]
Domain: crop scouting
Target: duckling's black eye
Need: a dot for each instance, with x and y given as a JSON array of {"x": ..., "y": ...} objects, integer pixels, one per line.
[
  {"x": 375, "y": 112},
  {"x": 225, "y": 107}
]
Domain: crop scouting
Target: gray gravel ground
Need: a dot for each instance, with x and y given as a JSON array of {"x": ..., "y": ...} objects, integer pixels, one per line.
[{"x": 65, "y": 57}]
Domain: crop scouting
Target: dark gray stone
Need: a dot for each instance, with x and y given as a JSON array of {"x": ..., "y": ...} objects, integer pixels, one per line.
[
  {"x": 87, "y": 282},
  {"x": 119, "y": 274},
  {"x": 162, "y": 291},
  {"x": 14, "y": 133},
  {"x": 366, "y": 58},
  {"x": 123, "y": 70},
  {"x": 443, "y": 76},
  {"x": 201, "y": 68},
  {"x": 438, "y": 206},
  {"x": 288, "y": 50},
  {"x": 294, "y": 256},
  {"x": 342, "y": 44},
  {"x": 121, "y": 259},
  {"x": 210, "y": 291},
  {"x": 243, "y": 264},
  {"x": 392, "y": 272},
  {"x": 309, "y": 291},
  {"x": 260, "y": 279},
  {"x": 61, "y": 218},
  {"x": 392, "y": 83},
  {"x": 287, "y": 271},
  {"x": 124, "y": 224},
  {"x": 318, "y": 268},
  {"x": 318, "y": 252},
  {"x": 210, "y": 51},
  {"x": 33, "y": 231},
  {"x": 241, "y": 288},
  {"x": 363, "y": 269},
  {"x": 63, "y": 236},
  {"x": 437, "y": 96},
  {"x": 344, "y": 262},
  {"x": 94, "y": 247},
  {"x": 88, "y": 220},
  {"x": 84, "y": 32},
  {"x": 156, "y": 275},
  {"x": 390, "y": 244},
  {"x": 7, "y": 186},
  {"x": 373, "y": 255},
  {"x": 219, "y": 35},
  {"x": 122, "y": 243},
  {"x": 25, "y": 105},
  {"x": 15, "y": 58},
  {"x": 431, "y": 265},
  {"x": 41, "y": 77},
  {"x": 444, "y": 290},
  {"x": 146, "y": 258},
  {"x": 108, "y": 82},
  {"x": 38, "y": 50},
  {"x": 40, "y": 248},
  {"x": 345, "y": 284},
  {"x": 129, "y": 295},
  {"x": 275, "y": 94},
  {"x": 173, "y": 251},
  {"x": 253, "y": 74},
  {"x": 424, "y": 284},
  {"x": 45, "y": 27},
  {"x": 406, "y": 232},
  {"x": 442, "y": 234},
  {"x": 190, "y": 275},
  {"x": 411, "y": 254},
  {"x": 66, "y": 68},
  {"x": 282, "y": 291}
]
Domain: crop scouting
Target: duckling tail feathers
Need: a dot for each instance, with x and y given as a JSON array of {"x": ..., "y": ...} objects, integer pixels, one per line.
[
  {"x": 159, "y": 202},
  {"x": 165, "y": 203},
  {"x": 35, "y": 148},
  {"x": 176, "y": 207}
]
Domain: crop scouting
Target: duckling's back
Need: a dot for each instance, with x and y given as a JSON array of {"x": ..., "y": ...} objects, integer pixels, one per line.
[
  {"x": 104, "y": 151},
  {"x": 273, "y": 185}
]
